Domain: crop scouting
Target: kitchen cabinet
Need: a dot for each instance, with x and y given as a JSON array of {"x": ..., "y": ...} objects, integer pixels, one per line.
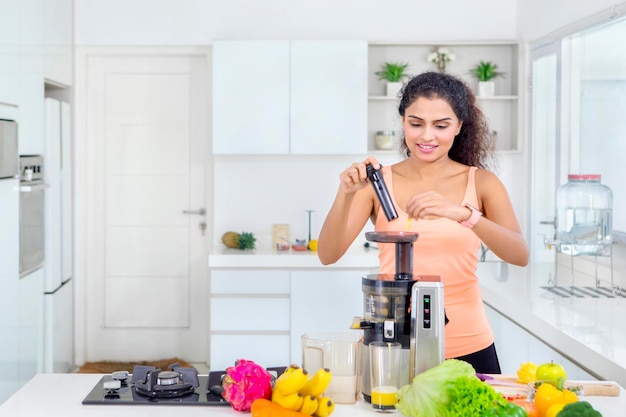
[
  {"x": 261, "y": 314},
  {"x": 32, "y": 115},
  {"x": 9, "y": 276},
  {"x": 289, "y": 97},
  {"x": 58, "y": 41},
  {"x": 45, "y": 58},
  {"x": 515, "y": 346},
  {"x": 9, "y": 75},
  {"x": 46, "y": 39},
  {"x": 30, "y": 325},
  {"x": 251, "y": 97},
  {"x": 249, "y": 317},
  {"x": 503, "y": 109}
]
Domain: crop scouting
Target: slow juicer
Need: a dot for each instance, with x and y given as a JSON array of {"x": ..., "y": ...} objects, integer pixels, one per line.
[{"x": 399, "y": 308}]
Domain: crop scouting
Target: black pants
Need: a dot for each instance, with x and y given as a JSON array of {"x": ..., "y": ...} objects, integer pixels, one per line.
[{"x": 484, "y": 361}]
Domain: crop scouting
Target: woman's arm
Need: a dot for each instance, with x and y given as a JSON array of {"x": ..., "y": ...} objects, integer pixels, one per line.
[
  {"x": 499, "y": 228},
  {"x": 353, "y": 205}
]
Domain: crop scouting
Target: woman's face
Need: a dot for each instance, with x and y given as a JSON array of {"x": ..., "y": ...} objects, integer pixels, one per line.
[{"x": 429, "y": 127}]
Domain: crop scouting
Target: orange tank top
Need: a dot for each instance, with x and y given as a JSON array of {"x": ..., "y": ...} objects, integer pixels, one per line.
[{"x": 449, "y": 250}]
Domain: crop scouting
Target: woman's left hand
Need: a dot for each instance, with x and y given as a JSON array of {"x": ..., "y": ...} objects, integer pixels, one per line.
[{"x": 432, "y": 204}]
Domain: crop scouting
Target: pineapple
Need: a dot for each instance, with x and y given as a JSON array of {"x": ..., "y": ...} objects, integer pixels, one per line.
[{"x": 230, "y": 239}]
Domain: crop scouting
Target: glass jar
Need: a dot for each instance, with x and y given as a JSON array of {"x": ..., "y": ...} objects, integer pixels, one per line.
[
  {"x": 384, "y": 139},
  {"x": 584, "y": 216}
]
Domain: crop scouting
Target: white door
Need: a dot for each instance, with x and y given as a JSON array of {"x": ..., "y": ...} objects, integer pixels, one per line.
[{"x": 146, "y": 153}]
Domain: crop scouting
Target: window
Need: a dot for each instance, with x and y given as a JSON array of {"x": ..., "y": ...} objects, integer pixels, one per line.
[{"x": 578, "y": 123}]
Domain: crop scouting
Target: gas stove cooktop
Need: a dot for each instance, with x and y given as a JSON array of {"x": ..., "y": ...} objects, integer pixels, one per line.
[{"x": 148, "y": 385}]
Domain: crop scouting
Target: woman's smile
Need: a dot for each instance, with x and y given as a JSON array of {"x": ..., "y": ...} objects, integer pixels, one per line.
[{"x": 426, "y": 148}]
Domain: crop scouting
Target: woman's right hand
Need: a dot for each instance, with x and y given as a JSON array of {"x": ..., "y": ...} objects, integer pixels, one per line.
[{"x": 354, "y": 178}]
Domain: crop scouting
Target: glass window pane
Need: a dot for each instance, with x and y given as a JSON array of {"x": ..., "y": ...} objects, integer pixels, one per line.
[{"x": 601, "y": 124}]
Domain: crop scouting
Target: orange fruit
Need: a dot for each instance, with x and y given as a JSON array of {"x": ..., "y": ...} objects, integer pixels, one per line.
[{"x": 527, "y": 405}]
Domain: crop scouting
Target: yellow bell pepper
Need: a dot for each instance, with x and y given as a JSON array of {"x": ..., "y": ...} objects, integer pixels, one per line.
[
  {"x": 554, "y": 410},
  {"x": 527, "y": 373},
  {"x": 547, "y": 397}
]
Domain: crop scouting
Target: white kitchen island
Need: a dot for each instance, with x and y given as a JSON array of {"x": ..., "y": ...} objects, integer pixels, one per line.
[{"x": 61, "y": 395}]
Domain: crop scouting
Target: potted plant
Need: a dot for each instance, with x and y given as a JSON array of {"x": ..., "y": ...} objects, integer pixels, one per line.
[
  {"x": 440, "y": 57},
  {"x": 394, "y": 73},
  {"x": 485, "y": 72}
]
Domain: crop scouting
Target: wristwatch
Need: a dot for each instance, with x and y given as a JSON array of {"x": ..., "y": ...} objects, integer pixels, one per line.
[{"x": 473, "y": 219}]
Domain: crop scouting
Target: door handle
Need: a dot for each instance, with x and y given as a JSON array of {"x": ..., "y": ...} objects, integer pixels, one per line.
[{"x": 200, "y": 212}]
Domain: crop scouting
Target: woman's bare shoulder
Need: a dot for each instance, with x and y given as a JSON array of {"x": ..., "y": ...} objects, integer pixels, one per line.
[
  {"x": 489, "y": 187},
  {"x": 484, "y": 176}
]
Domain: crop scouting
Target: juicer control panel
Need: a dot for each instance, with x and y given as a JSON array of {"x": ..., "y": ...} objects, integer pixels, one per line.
[
  {"x": 427, "y": 325},
  {"x": 426, "y": 311}
]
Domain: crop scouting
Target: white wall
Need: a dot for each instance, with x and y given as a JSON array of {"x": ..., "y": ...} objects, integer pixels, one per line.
[
  {"x": 199, "y": 22},
  {"x": 538, "y": 18}
]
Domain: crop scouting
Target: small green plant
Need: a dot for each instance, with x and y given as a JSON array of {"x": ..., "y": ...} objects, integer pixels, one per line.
[
  {"x": 393, "y": 72},
  {"x": 246, "y": 241},
  {"x": 486, "y": 71}
]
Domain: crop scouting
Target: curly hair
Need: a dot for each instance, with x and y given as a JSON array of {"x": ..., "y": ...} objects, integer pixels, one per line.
[{"x": 473, "y": 145}]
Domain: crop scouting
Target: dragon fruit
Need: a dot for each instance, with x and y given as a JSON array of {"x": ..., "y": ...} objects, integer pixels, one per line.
[{"x": 244, "y": 383}]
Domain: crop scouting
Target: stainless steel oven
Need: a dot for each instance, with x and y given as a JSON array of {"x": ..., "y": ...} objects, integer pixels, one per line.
[{"x": 32, "y": 188}]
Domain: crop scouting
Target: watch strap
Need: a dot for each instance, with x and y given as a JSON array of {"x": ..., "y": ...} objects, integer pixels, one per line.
[{"x": 473, "y": 219}]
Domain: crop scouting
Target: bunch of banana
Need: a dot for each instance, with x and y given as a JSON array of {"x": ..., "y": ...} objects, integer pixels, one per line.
[{"x": 296, "y": 391}]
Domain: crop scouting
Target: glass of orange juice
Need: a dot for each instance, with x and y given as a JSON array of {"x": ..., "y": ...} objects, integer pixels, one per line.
[{"x": 385, "y": 360}]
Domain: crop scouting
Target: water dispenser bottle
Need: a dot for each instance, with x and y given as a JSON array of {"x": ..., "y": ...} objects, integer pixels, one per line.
[{"x": 584, "y": 216}]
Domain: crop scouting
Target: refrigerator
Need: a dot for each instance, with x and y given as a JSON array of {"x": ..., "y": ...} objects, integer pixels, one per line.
[{"x": 58, "y": 272}]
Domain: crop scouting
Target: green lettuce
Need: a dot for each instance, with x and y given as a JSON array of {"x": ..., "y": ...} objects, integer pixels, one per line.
[
  {"x": 428, "y": 395},
  {"x": 472, "y": 397},
  {"x": 450, "y": 389}
]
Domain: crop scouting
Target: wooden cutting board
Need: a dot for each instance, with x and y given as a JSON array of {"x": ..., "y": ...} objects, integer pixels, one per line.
[{"x": 590, "y": 388}]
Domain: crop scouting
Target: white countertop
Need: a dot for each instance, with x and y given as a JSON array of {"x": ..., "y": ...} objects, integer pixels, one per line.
[
  {"x": 589, "y": 331},
  {"x": 355, "y": 258},
  {"x": 61, "y": 395}
]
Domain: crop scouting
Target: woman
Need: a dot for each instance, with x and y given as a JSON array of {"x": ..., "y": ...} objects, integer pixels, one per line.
[{"x": 442, "y": 191}]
